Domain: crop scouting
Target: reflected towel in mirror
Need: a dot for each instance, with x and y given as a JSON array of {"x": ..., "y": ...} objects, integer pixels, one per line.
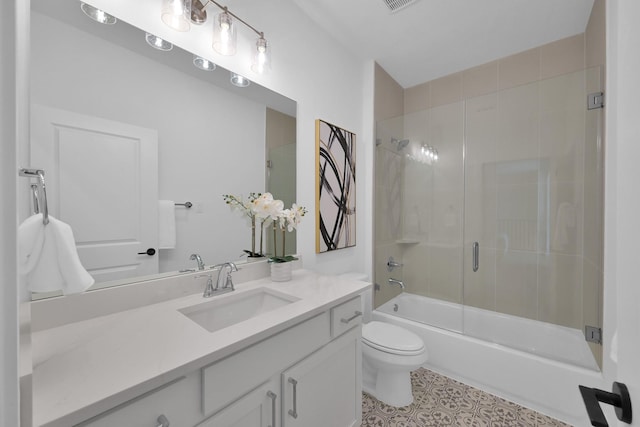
[
  {"x": 49, "y": 258},
  {"x": 166, "y": 224}
]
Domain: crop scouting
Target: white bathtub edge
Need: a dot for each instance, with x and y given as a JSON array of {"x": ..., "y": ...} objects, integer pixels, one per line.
[{"x": 546, "y": 386}]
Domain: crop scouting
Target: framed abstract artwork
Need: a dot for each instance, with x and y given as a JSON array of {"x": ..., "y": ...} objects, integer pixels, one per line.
[{"x": 335, "y": 187}]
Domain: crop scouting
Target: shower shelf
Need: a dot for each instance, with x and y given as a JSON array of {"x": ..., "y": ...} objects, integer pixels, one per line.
[{"x": 407, "y": 241}]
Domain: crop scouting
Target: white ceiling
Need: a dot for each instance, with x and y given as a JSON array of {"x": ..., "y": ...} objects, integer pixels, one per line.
[{"x": 432, "y": 38}]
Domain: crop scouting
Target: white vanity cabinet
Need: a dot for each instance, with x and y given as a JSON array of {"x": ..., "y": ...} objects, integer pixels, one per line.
[
  {"x": 176, "y": 403},
  {"x": 311, "y": 380},
  {"x": 306, "y": 373}
]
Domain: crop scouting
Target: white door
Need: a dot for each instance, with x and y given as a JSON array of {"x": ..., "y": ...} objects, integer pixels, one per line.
[
  {"x": 101, "y": 179},
  {"x": 622, "y": 227}
]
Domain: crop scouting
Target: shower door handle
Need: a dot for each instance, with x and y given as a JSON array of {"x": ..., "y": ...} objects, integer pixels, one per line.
[{"x": 476, "y": 256}]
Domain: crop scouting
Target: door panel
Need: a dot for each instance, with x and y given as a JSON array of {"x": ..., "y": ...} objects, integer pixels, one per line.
[{"x": 84, "y": 156}]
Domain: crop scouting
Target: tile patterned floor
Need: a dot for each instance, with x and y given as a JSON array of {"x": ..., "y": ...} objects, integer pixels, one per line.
[{"x": 441, "y": 401}]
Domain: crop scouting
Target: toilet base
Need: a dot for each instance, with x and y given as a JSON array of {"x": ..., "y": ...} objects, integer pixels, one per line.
[{"x": 392, "y": 388}]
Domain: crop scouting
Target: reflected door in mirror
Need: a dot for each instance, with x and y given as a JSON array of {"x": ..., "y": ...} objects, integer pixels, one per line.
[{"x": 84, "y": 156}]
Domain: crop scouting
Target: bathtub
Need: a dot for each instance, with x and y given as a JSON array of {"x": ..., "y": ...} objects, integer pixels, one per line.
[{"x": 535, "y": 364}]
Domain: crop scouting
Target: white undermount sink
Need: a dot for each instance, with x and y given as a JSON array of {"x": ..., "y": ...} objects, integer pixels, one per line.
[{"x": 224, "y": 311}]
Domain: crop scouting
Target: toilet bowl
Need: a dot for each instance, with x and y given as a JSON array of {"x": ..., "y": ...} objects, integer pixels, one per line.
[{"x": 389, "y": 354}]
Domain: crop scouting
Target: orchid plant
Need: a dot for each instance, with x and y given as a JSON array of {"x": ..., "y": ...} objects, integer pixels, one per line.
[{"x": 263, "y": 208}]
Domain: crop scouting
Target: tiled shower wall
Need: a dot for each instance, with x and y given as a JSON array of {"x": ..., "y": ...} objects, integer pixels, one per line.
[{"x": 554, "y": 271}]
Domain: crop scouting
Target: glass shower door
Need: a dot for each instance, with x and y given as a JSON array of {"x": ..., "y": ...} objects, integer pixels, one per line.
[{"x": 531, "y": 172}]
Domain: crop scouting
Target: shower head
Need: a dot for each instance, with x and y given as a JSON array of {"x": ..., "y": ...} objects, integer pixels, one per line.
[{"x": 402, "y": 143}]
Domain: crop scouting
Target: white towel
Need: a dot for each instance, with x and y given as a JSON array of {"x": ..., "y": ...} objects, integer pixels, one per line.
[
  {"x": 49, "y": 258},
  {"x": 166, "y": 224}
]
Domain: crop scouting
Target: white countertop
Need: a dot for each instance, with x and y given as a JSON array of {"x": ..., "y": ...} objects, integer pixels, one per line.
[{"x": 82, "y": 369}]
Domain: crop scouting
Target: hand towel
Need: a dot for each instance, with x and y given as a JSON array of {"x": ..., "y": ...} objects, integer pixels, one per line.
[
  {"x": 49, "y": 258},
  {"x": 166, "y": 224}
]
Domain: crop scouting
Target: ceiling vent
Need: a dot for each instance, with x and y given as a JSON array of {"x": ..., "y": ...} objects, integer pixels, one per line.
[{"x": 396, "y": 5}]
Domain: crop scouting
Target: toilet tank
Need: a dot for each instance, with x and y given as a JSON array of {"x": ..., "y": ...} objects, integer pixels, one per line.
[{"x": 366, "y": 297}]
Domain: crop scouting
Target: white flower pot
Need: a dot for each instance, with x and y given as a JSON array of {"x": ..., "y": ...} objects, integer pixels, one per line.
[{"x": 280, "y": 271}]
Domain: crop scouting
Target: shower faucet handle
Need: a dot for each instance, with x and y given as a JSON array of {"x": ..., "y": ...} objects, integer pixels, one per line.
[{"x": 391, "y": 264}]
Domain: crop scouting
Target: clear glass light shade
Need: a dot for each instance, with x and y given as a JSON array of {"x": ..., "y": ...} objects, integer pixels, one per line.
[
  {"x": 97, "y": 14},
  {"x": 177, "y": 14},
  {"x": 203, "y": 64},
  {"x": 261, "y": 57},
  {"x": 157, "y": 43},
  {"x": 224, "y": 34},
  {"x": 240, "y": 81}
]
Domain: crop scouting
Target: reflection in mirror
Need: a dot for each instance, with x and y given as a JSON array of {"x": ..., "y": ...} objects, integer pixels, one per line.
[{"x": 125, "y": 132}]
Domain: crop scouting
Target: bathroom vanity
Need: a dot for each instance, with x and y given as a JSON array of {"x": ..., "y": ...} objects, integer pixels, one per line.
[{"x": 267, "y": 354}]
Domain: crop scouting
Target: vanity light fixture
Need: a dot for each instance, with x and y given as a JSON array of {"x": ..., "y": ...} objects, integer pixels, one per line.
[
  {"x": 157, "y": 43},
  {"x": 97, "y": 14},
  {"x": 203, "y": 63},
  {"x": 240, "y": 81},
  {"x": 177, "y": 14}
]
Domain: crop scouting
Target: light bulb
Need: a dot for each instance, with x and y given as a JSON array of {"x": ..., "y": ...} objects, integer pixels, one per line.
[
  {"x": 261, "y": 60},
  {"x": 224, "y": 34}
]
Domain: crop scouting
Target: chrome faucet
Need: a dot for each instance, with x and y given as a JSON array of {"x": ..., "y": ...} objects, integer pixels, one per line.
[
  {"x": 228, "y": 282},
  {"x": 208, "y": 289},
  {"x": 198, "y": 259},
  {"x": 396, "y": 282}
]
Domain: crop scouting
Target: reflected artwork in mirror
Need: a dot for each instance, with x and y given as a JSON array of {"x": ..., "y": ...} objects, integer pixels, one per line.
[{"x": 122, "y": 130}]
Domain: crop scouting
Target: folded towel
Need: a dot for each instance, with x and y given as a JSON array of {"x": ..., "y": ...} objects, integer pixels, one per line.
[
  {"x": 166, "y": 224},
  {"x": 48, "y": 256}
]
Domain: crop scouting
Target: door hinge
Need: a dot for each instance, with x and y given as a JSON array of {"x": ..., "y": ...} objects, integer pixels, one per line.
[
  {"x": 593, "y": 334},
  {"x": 595, "y": 100}
]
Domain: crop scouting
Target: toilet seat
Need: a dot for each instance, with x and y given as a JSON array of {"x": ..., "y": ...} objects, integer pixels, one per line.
[{"x": 391, "y": 339}]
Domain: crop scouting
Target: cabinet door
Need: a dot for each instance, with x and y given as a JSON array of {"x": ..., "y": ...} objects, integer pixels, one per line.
[
  {"x": 325, "y": 389},
  {"x": 258, "y": 408}
]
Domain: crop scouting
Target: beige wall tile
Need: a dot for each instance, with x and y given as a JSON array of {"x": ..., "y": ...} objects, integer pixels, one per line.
[
  {"x": 480, "y": 80},
  {"x": 518, "y": 123},
  {"x": 560, "y": 290},
  {"x": 517, "y": 284},
  {"x": 445, "y": 273},
  {"x": 388, "y": 96},
  {"x": 561, "y": 57},
  {"x": 416, "y": 263},
  {"x": 595, "y": 37},
  {"x": 518, "y": 69},
  {"x": 417, "y": 98},
  {"x": 446, "y": 90}
]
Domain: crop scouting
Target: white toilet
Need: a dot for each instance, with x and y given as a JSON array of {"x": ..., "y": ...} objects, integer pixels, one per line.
[{"x": 389, "y": 354}]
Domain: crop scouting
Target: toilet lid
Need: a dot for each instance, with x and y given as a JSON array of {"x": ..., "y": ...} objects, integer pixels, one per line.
[{"x": 391, "y": 338}]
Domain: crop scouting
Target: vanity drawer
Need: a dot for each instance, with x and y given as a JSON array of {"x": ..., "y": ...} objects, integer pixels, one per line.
[
  {"x": 231, "y": 378},
  {"x": 346, "y": 316},
  {"x": 177, "y": 401}
]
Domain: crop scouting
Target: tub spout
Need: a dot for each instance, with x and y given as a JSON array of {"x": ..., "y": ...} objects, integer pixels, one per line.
[{"x": 396, "y": 282}]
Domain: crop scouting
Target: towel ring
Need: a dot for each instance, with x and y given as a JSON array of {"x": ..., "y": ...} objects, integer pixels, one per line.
[{"x": 42, "y": 190}]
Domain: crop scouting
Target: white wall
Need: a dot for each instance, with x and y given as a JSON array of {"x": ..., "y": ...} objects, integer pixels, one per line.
[
  {"x": 14, "y": 40},
  {"x": 211, "y": 141},
  {"x": 308, "y": 66}
]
